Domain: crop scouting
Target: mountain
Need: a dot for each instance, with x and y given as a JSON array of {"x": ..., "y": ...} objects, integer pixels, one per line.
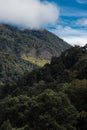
[
  {"x": 53, "y": 97},
  {"x": 23, "y": 49},
  {"x": 70, "y": 65}
]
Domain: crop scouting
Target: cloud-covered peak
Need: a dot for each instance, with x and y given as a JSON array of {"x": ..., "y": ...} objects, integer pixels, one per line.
[{"x": 29, "y": 13}]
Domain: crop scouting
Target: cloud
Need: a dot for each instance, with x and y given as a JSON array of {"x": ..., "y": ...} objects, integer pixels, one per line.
[
  {"x": 72, "y": 36},
  {"x": 29, "y": 13},
  {"x": 82, "y": 22},
  {"x": 82, "y": 1}
]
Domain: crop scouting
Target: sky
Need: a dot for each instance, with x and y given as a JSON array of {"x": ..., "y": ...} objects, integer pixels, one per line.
[
  {"x": 65, "y": 18},
  {"x": 72, "y": 22}
]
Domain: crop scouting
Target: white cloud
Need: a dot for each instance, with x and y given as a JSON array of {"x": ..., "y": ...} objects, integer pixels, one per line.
[
  {"x": 30, "y": 13},
  {"x": 82, "y": 22},
  {"x": 73, "y": 40},
  {"x": 70, "y": 35},
  {"x": 82, "y": 1}
]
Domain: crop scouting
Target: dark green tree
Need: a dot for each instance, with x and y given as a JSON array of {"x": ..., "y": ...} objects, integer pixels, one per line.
[
  {"x": 50, "y": 111},
  {"x": 6, "y": 125}
]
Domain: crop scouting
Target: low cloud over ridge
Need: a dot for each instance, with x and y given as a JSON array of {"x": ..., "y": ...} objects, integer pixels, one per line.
[{"x": 28, "y": 13}]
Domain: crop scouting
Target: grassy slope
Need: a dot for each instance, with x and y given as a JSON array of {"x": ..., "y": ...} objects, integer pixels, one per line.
[{"x": 37, "y": 61}]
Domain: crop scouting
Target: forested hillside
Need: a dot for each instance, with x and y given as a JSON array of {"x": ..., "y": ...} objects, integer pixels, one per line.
[
  {"x": 53, "y": 97},
  {"x": 23, "y": 50}
]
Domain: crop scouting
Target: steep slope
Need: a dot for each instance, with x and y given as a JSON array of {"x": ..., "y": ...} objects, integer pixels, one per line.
[
  {"x": 26, "y": 48},
  {"x": 40, "y": 43}
]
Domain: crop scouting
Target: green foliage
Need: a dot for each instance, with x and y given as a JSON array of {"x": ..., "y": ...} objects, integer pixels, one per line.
[
  {"x": 48, "y": 110},
  {"x": 77, "y": 92},
  {"x": 53, "y": 97}
]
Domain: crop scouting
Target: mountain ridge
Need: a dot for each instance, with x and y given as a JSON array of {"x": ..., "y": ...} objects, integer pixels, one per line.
[
  {"x": 42, "y": 35},
  {"x": 27, "y": 48}
]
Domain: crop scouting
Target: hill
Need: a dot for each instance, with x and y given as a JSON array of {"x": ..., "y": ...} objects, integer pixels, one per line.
[
  {"x": 53, "y": 97},
  {"x": 22, "y": 50}
]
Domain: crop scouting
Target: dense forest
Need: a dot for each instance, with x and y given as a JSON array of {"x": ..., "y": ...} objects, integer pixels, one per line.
[{"x": 53, "y": 97}]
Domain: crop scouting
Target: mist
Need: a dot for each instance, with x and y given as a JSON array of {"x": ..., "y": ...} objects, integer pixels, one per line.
[{"x": 32, "y": 14}]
